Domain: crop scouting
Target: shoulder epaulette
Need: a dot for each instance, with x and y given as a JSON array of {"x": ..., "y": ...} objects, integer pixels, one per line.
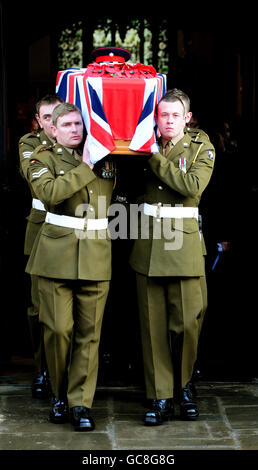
[
  {"x": 197, "y": 134},
  {"x": 198, "y": 142},
  {"x": 42, "y": 148},
  {"x": 28, "y": 136}
]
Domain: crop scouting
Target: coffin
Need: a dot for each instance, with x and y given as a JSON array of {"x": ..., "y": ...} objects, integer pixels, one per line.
[{"x": 117, "y": 101}]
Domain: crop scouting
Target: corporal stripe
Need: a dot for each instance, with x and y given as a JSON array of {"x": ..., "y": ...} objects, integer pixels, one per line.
[
  {"x": 38, "y": 174},
  {"x": 27, "y": 154}
]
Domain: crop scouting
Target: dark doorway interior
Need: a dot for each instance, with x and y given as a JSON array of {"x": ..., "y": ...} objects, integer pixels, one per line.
[{"x": 218, "y": 68}]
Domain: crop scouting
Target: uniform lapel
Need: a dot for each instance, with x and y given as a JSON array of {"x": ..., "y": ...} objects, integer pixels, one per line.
[
  {"x": 44, "y": 139},
  {"x": 65, "y": 155},
  {"x": 179, "y": 148}
]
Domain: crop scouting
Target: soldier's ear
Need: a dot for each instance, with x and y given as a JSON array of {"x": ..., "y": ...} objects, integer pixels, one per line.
[
  {"x": 53, "y": 130},
  {"x": 188, "y": 117},
  {"x": 38, "y": 120}
]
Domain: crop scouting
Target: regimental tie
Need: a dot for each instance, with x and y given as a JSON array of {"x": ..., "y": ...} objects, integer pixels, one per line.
[
  {"x": 167, "y": 148},
  {"x": 77, "y": 156}
]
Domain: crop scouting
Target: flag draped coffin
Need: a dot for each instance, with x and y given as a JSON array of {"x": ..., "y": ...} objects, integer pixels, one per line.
[{"x": 117, "y": 104}]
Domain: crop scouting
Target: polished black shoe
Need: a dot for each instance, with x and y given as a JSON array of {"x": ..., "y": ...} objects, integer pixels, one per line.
[
  {"x": 188, "y": 406},
  {"x": 160, "y": 410},
  {"x": 59, "y": 412},
  {"x": 81, "y": 419},
  {"x": 41, "y": 386}
]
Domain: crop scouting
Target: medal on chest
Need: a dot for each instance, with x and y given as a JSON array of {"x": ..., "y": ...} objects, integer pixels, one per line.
[{"x": 182, "y": 164}]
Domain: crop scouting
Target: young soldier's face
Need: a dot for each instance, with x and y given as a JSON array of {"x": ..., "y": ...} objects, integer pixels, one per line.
[
  {"x": 171, "y": 120},
  {"x": 69, "y": 130},
  {"x": 44, "y": 118}
]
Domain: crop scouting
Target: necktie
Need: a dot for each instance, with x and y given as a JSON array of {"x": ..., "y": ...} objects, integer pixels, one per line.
[
  {"x": 168, "y": 147},
  {"x": 77, "y": 156}
]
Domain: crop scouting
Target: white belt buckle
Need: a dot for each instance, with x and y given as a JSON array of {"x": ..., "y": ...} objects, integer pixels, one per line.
[{"x": 95, "y": 224}]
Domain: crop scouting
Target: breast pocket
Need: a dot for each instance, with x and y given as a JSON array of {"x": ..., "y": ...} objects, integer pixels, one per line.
[{"x": 62, "y": 168}]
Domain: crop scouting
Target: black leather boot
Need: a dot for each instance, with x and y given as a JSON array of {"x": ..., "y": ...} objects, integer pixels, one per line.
[
  {"x": 188, "y": 406},
  {"x": 59, "y": 412},
  {"x": 41, "y": 386},
  {"x": 81, "y": 419},
  {"x": 160, "y": 410}
]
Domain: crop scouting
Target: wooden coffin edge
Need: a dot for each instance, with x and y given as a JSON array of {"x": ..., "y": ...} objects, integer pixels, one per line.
[{"x": 122, "y": 148}]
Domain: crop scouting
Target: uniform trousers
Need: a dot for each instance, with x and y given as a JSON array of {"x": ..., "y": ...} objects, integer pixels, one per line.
[
  {"x": 72, "y": 312},
  {"x": 205, "y": 301},
  {"x": 169, "y": 310},
  {"x": 35, "y": 327}
]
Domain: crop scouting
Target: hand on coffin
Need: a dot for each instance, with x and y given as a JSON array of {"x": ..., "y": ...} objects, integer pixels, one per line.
[{"x": 86, "y": 155}]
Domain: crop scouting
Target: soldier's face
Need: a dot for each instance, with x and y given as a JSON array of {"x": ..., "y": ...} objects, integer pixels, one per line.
[
  {"x": 171, "y": 120},
  {"x": 69, "y": 130},
  {"x": 44, "y": 118}
]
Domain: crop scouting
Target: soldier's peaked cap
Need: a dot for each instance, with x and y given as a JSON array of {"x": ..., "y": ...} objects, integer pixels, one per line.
[{"x": 110, "y": 54}]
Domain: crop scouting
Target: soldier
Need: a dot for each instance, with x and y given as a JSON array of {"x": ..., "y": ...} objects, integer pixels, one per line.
[
  {"x": 168, "y": 274},
  {"x": 196, "y": 134},
  {"x": 72, "y": 256},
  {"x": 27, "y": 145}
]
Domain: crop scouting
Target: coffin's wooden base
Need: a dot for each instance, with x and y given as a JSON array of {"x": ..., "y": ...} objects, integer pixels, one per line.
[{"x": 122, "y": 148}]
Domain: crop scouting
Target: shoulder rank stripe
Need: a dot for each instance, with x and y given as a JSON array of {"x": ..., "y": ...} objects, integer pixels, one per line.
[
  {"x": 39, "y": 173},
  {"x": 27, "y": 154}
]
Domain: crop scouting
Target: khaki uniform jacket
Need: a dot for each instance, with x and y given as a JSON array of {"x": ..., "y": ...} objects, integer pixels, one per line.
[
  {"x": 166, "y": 183},
  {"x": 27, "y": 145},
  {"x": 197, "y": 134},
  {"x": 63, "y": 184}
]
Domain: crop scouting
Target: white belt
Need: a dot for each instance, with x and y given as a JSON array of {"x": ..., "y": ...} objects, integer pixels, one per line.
[
  {"x": 170, "y": 212},
  {"x": 76, "y": 222},
  {"x": 37, "y": 204}
]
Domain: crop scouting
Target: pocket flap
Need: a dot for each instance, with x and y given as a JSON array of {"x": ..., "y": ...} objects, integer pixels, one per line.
[
  {"x": 185, "y": 225},
  {"x": 36, "y": 216},
  {"x": 54, "y": 231}
]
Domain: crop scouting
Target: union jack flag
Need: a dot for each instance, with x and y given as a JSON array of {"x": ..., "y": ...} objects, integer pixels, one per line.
[
  {"x": 100, "y": 138},
  {"x": 66, "y": 85},
  {"x": 144, "y": 139},
  {"x": 114, "y": 108}
]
